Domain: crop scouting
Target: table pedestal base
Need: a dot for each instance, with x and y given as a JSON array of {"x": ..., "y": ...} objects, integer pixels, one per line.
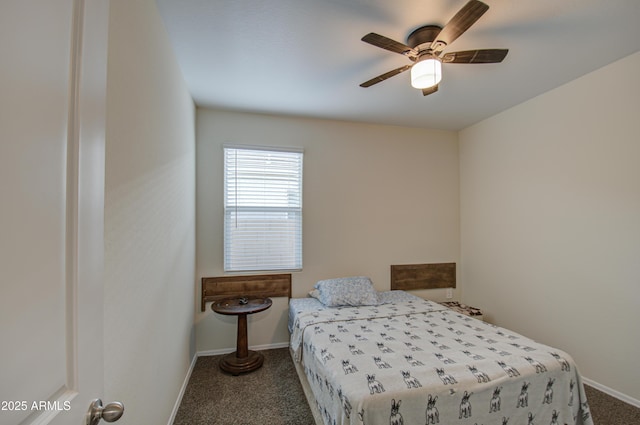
[
  {"x": 242, "y": 360},
  {"x": 236, "y": 365}
]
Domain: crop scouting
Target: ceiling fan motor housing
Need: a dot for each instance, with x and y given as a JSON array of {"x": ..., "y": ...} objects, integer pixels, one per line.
[{"x": 421, "y": 38}]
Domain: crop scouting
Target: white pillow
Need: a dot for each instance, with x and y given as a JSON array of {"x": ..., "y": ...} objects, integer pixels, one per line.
[{"x": 352, "y": 291}]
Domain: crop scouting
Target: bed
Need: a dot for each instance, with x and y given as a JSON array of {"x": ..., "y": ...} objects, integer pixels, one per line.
[{"x": 400, "y": 359}]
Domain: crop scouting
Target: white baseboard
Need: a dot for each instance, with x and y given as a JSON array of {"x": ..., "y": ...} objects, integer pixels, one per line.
[
  {"x": 214, "y": 353},
  {"x": 219, "y": 351},
  {"x": 182, "y": 390},
  {"x": 613, "y": 393}
]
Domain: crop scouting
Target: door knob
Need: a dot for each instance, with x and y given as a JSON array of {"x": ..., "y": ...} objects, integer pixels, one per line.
[{"x": 110, "y": 413}]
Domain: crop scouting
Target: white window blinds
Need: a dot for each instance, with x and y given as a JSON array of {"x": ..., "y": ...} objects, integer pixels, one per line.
[{"x": 262, "y": 209}]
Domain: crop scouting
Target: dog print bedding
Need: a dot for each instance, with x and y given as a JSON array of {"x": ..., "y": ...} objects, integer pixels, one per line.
[{"x": 412, "y": 361}]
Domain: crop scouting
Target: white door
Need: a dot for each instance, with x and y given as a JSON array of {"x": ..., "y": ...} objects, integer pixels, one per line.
[{"x": 52, "y": 114}]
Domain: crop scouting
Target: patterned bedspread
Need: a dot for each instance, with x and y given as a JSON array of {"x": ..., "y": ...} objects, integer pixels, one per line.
[{"x": 411, "y": 361}]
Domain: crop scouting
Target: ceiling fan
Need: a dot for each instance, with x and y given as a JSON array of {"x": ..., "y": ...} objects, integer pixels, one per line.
[{"x": 425, "y": 48}]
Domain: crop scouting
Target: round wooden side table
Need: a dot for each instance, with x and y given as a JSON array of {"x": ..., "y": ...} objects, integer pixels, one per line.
[{"x": 242, "y": 360}]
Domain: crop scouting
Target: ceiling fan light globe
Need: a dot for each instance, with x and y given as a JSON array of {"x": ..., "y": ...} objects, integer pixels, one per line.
[{"x": 426, "y": 73}]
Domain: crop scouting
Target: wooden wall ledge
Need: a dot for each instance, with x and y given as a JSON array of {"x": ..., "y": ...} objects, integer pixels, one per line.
[
  {"x": 263, "y": 285},
  {"x": 423, "y": 276}
]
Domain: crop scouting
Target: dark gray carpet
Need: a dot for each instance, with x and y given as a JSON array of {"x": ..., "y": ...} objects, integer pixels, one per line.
[
  {"x": 272, "y": 395},
  {"x": 607, "y": 410}
]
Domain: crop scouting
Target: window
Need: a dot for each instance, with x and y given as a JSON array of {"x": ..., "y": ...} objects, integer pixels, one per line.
[{"x": 262, "y": 208}]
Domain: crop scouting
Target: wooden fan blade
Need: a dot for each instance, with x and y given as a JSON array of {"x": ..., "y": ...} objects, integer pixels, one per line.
[
  {"x": 476, "y": 56},
  {"x": 385, "y": 76},
  {"x": 389, "y": 44},
  {"x": 430, "y": 90},
  {"x": 461, "y": 22}
]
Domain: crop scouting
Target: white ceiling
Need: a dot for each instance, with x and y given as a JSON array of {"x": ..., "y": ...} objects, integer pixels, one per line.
[{"x": 305, "y": 57}]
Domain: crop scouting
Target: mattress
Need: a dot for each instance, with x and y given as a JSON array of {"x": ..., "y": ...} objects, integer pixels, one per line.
[{"x": 413, "y": 361}]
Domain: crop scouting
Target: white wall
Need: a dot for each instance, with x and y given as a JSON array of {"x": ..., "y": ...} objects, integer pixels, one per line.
[
  {"x": 550, "y": 221},
  {"x": 373, "y": 196},
  {"x": 149, "y": 217}
]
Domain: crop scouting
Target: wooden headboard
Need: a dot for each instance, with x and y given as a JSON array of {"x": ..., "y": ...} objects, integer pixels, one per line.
[
  {"x": 423, "y": 276},
  {"x": 263, "y": 285}
]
